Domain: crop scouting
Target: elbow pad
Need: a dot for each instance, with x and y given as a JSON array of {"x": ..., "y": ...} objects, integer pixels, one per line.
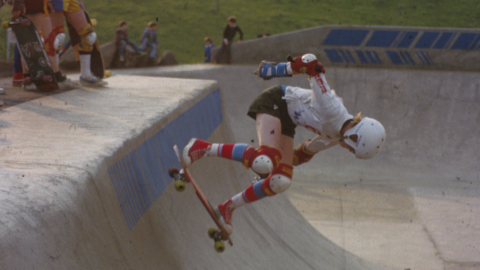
[{"x": 267, "y": 70}]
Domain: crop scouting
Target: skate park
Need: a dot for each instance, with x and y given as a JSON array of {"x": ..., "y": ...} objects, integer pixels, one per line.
[{"x": 84, "y": 173}]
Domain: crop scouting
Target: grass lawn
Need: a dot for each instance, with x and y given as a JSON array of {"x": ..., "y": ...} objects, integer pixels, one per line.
[{"x": 182, "y": 24}]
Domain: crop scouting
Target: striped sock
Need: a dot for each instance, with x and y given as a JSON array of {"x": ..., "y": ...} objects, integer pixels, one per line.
[
  {"x": 249, "y": 195},
  {"x": 233, "y": 151},
  {"x": 254, "y": 192}
]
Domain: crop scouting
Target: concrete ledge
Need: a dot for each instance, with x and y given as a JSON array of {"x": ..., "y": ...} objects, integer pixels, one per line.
[{"x": 56, "y": 203}]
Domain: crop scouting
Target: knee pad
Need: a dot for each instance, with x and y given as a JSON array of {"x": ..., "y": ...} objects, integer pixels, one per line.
[
  {"x": 87, "y": 38},
  {"x": 59, "y": 40},
  {"x": 49, "y": 44},
  {"x": 279, "y": 180},
  {"x": 91, "y": 38},
  {"x": 262, "y": 160},
  {"x": 59, "y": 37}
]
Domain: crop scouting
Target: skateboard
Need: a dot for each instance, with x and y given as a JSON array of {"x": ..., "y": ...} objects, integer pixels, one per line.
[
  {"x": 96, "y": 63},
  {"x": 33, "y": 52},
  {"x": 184, "y": 176}
]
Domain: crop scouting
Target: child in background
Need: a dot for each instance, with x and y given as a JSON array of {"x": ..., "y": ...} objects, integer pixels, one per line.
[
  {"x": 149, "y": 38},
  {"x": 228, "y": 34},
  {"x": 121, "y": 39},
  {"x": 208, "y": 50}
]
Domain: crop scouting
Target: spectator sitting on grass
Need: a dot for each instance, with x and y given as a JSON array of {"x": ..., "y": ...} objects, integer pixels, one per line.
[
  {"x": 149, "y": 38},
  {"x": 121, "y": 39}
]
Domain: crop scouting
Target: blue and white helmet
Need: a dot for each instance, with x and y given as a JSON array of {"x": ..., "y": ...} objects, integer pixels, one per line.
[{"x": 370, "y": 138}]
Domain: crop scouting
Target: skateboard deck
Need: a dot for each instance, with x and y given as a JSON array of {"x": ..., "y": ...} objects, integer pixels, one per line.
[
  {"x": 96, "y": 63},
  {"x": 218, "y": 235},
  {"x": 33, "y": 52}
]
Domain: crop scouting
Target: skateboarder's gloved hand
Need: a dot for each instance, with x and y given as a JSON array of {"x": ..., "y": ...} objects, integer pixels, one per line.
[
  {"x": 301, "y": 154},
  {"x": 267, "y": 70},
  {"x": 307, "y": 64}
]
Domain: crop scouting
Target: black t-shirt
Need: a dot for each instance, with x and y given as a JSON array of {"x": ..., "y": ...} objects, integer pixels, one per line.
[{"x": 229, "y": 32}]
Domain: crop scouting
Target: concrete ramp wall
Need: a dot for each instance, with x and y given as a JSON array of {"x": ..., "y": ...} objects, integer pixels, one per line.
[
  {"x": 83, "y": 185},
  {"x": 415, "y": 205}
]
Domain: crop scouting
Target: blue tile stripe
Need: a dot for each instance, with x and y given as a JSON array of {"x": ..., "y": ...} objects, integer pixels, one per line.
[
  {"x": 376, "y": 57},
  {"x": 333, "y": 56},
  {"x": 362, "y": 56},
  {"x": 382, "y": 38},
  {"x": 398, "y": 47},
  {"x": 407, "y": 39},
  {"x": 421, "y": 58},
  {"x": 370, "y": 57},
  {"x": 426, "y": 40},
  {"x": 141, "y": 176},
  {"x": 476, "y": 43},
  {"x": 443, "y": 41},
  {"x": 409, "y": 57},
  {"x": 394, "y": 57},
  {"x": 464, "y": 41},
  {"x": 345, "y": 37},
  {"x": 344, "y": 56},
  {"x": 351, "y": 57}
]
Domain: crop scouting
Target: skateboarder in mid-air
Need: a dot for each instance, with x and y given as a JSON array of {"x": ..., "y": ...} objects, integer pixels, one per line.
[{"x": 277, "y": 111}]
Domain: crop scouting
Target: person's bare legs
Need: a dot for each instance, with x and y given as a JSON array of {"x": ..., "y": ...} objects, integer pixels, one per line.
[
  {"x": 269, "y": 132},
  {"x": 77, "y": 19}
]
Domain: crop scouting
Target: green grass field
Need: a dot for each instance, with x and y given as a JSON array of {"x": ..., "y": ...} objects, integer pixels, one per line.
[{"x": 183, "y": 24}]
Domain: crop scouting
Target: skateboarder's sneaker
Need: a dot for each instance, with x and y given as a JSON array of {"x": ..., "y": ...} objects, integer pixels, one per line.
[
  {"x": 68, "y": 84},
  {"x": 195, "y": 150},
  {"x": 224, "y": 213},
  {"x": 29, "y": 87},
  {"x": 92, "y": 81}
]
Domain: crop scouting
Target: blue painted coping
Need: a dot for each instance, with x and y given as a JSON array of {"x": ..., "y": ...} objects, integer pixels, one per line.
[{"x": 141, "y": 176}]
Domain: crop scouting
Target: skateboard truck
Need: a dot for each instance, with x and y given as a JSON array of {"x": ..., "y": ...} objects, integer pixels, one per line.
[
  {"x": 179, "y": 177},
  {"x": 218, "y": 238}
]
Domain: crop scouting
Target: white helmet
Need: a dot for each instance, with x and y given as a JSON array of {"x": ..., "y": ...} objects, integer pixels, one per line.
[{"x": 371, "y": 136}]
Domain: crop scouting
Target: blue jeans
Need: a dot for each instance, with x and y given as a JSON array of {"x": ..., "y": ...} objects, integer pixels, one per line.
[
  {"x": 124, "y": 43},
  {"x": 17, "y": 66},
  {"x": 146, "y": 43}
]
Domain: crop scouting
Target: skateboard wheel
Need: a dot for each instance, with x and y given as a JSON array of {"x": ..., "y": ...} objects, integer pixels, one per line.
[
  {"x": 219, "y": 247},
  {"x": 172, "y": 171},
  {"x": 5, "y": 25},
  {"x": 211, "y": 232},
  {"x": 47, "y": 78},
  {"x": 180, "y": 185},
  {"x": 108, "y": 73}
]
